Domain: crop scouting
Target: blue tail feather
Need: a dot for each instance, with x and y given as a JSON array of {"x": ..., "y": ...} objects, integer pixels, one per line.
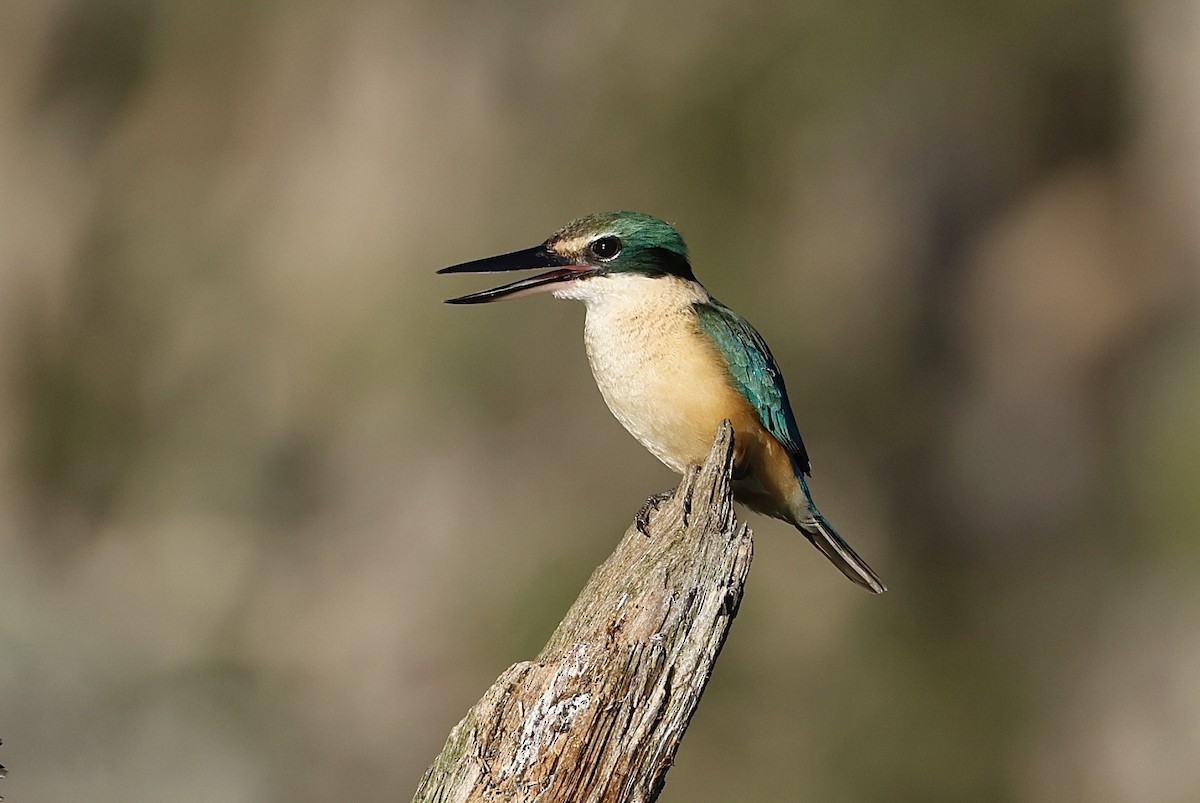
[{"x": 820, "y": 532}]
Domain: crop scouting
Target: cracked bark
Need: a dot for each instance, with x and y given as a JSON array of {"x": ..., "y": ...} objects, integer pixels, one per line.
[{"x": 599, "y": 715}]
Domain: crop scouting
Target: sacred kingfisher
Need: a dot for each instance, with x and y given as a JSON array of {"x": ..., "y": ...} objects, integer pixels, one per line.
[{"x": 671, "y": 362}]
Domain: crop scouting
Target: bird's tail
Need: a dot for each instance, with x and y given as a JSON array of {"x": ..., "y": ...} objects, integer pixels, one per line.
[{"x": 822, "y": 535}]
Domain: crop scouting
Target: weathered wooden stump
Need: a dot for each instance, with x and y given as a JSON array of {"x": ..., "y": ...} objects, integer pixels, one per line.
[{"x": 599, "y": 715}]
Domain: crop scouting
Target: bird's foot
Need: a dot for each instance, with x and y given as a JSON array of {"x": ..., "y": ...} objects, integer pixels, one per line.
[{"x": 652, "y": 503}]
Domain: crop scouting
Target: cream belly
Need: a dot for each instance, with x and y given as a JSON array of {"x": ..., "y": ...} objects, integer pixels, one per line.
[
  {"x": 662, "y": 380},
  {"x": 659, "y": 388}
]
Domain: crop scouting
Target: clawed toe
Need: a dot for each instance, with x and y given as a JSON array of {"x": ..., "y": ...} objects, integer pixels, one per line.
[{"x": 652, "y": 503}]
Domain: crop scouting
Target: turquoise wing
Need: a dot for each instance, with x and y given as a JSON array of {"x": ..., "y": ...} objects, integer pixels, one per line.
[{"x": 755, "y": 374}]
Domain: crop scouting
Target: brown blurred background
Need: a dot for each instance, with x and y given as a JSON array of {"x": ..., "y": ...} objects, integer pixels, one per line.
[{"x": 272, "y": 516}]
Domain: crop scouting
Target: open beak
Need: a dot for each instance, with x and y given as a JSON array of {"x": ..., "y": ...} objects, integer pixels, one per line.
[{"x": 528, "y": 259}]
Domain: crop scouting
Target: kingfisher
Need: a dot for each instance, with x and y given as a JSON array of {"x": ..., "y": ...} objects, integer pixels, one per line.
[{"x": 671, "y": 362}]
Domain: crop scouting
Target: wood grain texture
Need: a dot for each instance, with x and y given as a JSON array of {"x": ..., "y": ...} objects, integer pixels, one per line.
[{"x": 599, "y": 715}]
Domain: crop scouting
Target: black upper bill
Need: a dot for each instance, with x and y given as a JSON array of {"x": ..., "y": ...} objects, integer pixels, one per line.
[
  {"x": 537, "y": 257},
  {"x": 527, "y": 259}
]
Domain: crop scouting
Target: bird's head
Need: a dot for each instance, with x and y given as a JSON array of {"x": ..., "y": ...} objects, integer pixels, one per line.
[{"x": 604, "y": 244}]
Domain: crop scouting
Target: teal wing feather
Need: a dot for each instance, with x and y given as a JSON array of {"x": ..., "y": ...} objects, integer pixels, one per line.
[{"x": 755, "y": 374}]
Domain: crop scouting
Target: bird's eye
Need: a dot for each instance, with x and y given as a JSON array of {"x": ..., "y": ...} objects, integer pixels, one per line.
[{"x": 606, "y": 248}]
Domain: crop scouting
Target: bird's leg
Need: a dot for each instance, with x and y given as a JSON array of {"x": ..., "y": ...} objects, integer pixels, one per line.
[{"x": 652, "y": 503}]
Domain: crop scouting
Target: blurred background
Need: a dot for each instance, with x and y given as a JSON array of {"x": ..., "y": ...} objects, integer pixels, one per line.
[{"x": 273, "y": 517}]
